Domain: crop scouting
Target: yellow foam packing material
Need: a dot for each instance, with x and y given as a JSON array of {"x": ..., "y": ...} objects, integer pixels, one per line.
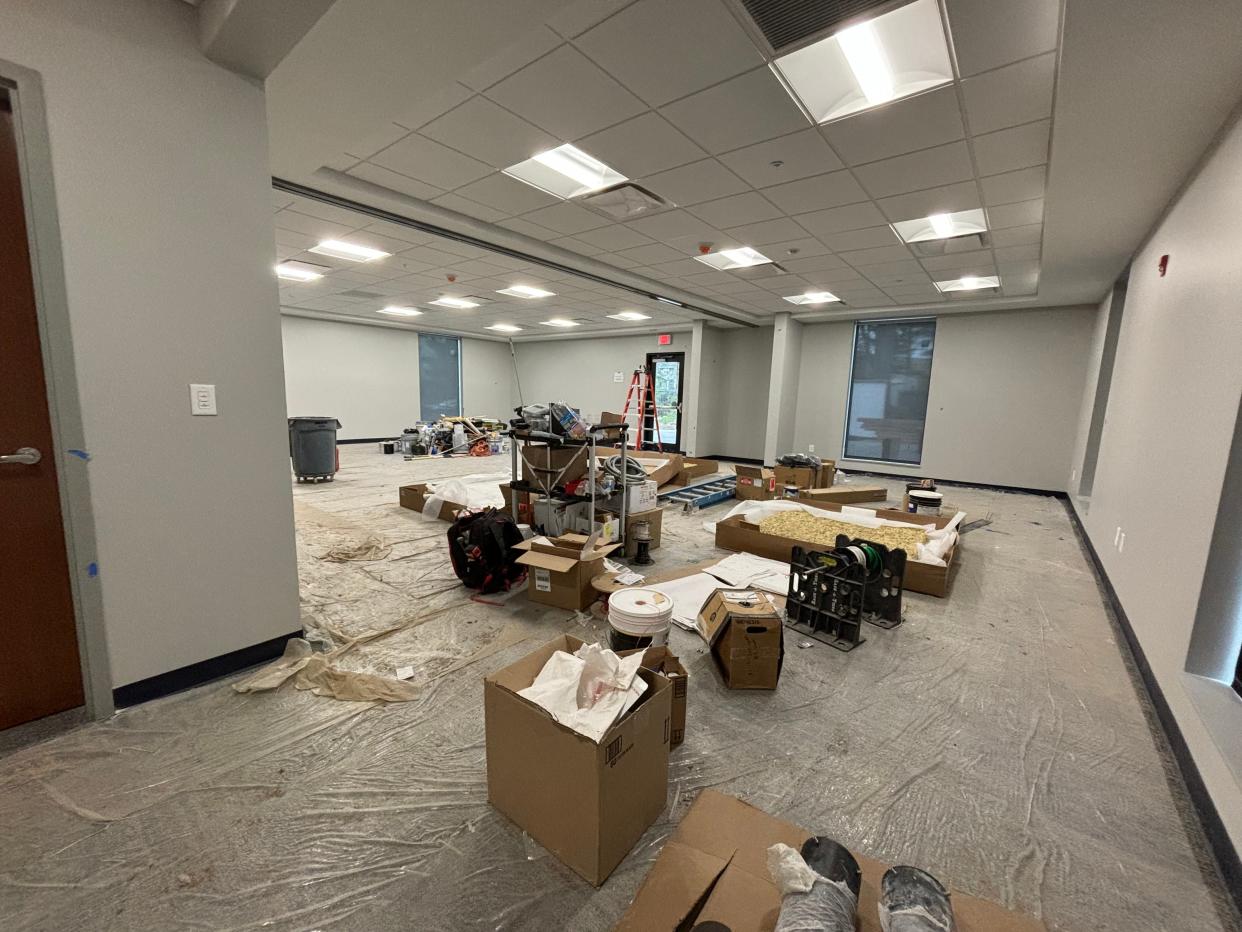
[{"x": 800, "y": 525}]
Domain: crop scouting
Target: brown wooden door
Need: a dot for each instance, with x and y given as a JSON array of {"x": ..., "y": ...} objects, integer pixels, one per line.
[{"x": 38, "y": 636}]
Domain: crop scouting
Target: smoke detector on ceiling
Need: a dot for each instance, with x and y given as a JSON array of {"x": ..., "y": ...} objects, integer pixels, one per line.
[{"x": 625, "y": 201}]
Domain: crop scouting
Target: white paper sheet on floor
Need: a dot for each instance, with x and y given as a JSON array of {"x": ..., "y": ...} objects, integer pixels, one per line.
[
  {"x": 477, "y": 490},
  {"x": 587, "y": 690},
  {"x": 688, "y": 595},
  {"x": 752, "y": 572}
]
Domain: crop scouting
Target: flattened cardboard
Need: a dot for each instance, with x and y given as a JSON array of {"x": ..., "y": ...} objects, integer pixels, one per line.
[
  {"x": 415, "y": 497},
  {"x": 746, "y": 635},
  {"x": 755, "y": 483},
  {"x": 715, "y": 868},
  {"x": 663, "y": 474},
  {"x": 586, "y": 803},
  {"x": 664, "y": 661},
  {"x": 844, "y": 494}
]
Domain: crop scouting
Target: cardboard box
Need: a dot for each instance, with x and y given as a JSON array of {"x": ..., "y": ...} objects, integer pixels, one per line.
[
  {"x": 606, "y": 523},
  {"x": 586, "y": 803},
  {"x": 642, "y": 496},
  {"x": 714, "y": 867},
  {"x": 661, "y": 468},
  {"x": 844, "y": 494},
  {"x": 806, "y": 477},
  {"x": 574, "y": 460},
  {"x": 560, "y": 570},
  {"x": 738, "y": 534},
  {"x": 654, "y": 518},
  {"x": 665, "y": 662},
  {"x": 523, "y": 501},
  {"x": 755, "y": 483},
  {"x": 415, "y": 498},
  {"x": 692, "y": 470},
  {"x": 746, "y": 635}
]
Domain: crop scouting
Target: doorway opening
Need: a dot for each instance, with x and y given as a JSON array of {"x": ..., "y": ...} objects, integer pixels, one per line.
[{"x": 667, "y": 377}]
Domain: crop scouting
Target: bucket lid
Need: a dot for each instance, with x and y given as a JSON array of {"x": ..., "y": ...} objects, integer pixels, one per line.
[
  {"x": 927, "y": 497},
  {"x": 640, "y": 603}
]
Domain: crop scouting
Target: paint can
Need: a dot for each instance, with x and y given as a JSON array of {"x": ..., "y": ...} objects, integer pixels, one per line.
[
  {"x": 791, "y": 490},
  {"x": 924, "y": 502},
  {"x": 638, "y": 617}
]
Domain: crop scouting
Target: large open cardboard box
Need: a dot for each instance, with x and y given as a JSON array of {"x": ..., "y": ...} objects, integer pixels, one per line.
[
  {"x": 736, "y": 533},
  {"x": 415, "y": 498},
  {"x": 806, "y": 477},
  {"x": 715, "y": 868},
  {"x": 662, "y": 660},
  {"x": 587, "y": 803},
  {"x": 561, "y": 569},
  {"x": 755, "y": 483}
]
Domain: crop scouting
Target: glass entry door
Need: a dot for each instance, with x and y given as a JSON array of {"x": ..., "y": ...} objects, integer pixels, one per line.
[{"x": 666, "y": 370}]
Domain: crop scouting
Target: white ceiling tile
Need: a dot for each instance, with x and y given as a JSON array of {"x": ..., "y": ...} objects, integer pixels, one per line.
[
  {"x": 1018, "y": 236},
  {"x": 921, "y": 292},
  {"x": 373, "y": 142},
  {"x": 1013, "y": 148},
  {"x": 292, "y": 239},
  {"x": 801, "y": 155},
  {"x": 315, "y": 208},
  {"x": 689, "y": 245},
  {"x": 428, "y": 104},
  {"x": 1023, "y": 185},
  {"x": 513, "y": 57},
  {"x": 577, "y": 17},
  {"x": 567, "y": 95},
  {"x": 566, "y": 218},
  {"x": 894, "y": 274},
  {"x": 810, "y": 264},
  {"x": 766, "y": 232},
  {"x": 468, "y": 207},
  {"x": 673, "y": 224},
  {"x": 397, "y": 231},
  {"x": 990, "y": 33},
  {"x": 651, "y": 254},
  {"x": 977, "y": 269},
  {"x": 1018, "y": 93},
  {"x": 954, "y": 197},
  {"x": 918, "y": 122},
  {"x": 1008, "y": 254},
  {"x": 958, "y": 260},
  {"x": 615, "y": 237},
  {"x": 425, "y": 159},
  {"x": 311, "y": 226},
  {"x": 816, "y": 193},
  {"x": 1016, "y": 215},
  {"x": 734, "y": 211},
  {"x": 395, "y": 181},
  {"x": 574, "y": 244},
  {"x": 700, "y": 181},
  {"x": 662, "y": 50},
  {"x": 489, "y": 132},
  {"x": 926, "y": 169},
  {"x": 739, "y": 112},
  {"x": 678, "y": 268},
  {"x": 507, "y": 194},
  {"x": 526, "y": 228},
  {"x": 621, "y": 262},
  {"x": 861, "y": 239},
  {"x": 824, "y": 223},
  {"x": 802, "y": 248},
  {"x": 875, "y": 255},
  {"x": 641, "y": 146}
]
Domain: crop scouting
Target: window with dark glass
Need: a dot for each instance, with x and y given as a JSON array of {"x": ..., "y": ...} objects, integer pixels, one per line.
[{"x": 889, "y": 383}]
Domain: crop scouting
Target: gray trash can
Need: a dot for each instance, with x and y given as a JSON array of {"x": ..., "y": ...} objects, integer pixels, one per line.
[{"x": 312, "y": 447}]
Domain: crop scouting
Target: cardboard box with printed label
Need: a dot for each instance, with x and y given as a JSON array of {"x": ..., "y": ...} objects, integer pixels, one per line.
[
  {"x": 587, "y": 803},
  {"x": 744, "y": 629},
  {"x": 755, "y": 483},
  {"x": 641, "y": 496},
  {"x": 664, "y": 661},
  {"x": 560, "y": 569},
  {"x": 844, "y": 494},
  {"x": 806, "y": 477},
  {"x": 715, "y": 869}
]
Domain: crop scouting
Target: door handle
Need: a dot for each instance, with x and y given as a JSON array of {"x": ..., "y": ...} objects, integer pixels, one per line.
[{"x": 25, "y": 456}]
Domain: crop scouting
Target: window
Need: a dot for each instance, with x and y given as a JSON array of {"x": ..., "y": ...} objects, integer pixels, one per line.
[
  {"x": 889, "y": 382},
  {"x": 439, "y": 376}
]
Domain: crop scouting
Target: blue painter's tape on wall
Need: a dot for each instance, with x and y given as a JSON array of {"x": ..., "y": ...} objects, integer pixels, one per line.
[
  {"x": 92, "y": 570},
  {"x": 80, "y": 454}
]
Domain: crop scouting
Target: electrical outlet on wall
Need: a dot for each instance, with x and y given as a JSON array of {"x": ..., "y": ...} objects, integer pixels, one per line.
[
  {"x": 810, "y": 448},
  {"x": 1116, "y": 536},
  {"x": 203, "y": 399},
  {"x": 1073, "y": 474},
  {"x": 1121, "y": 544}
]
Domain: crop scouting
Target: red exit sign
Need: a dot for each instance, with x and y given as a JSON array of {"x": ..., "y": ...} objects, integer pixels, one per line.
[{"x": 665, "y": 339}]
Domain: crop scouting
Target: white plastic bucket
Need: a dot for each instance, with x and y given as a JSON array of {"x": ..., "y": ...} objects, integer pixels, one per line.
[
  {"x": 639, "y": 613},
  {"x": 924, "y": 502}
]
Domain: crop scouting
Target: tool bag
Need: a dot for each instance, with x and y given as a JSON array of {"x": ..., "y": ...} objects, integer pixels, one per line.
[{"x": 480, "y": 548}]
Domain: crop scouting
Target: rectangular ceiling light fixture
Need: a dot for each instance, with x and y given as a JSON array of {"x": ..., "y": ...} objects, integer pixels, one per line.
[
  {"x": 339, "y": 249},
  {"x": 739, "y": 258},
  {"x": 941, "y": 226},
  {"x": 559, "y": 322},
  {"x": 812, "y": 297},
  {"x": 894, "y": 55},
  {"x": 299, "y": 271},
  {"x": 565, "y": 171},
  {"x": 394, "y": 311},
  {"x": 458, "y": 303},
  {"x": 629, "y": 315},
  {"x": 969, "y": 283},
  {"x": 526, "y": 291},
  {"x": 504, "y": 328}
]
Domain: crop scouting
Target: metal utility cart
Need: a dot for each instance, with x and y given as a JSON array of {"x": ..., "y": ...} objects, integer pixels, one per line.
[{"x": 534, "y": 449}]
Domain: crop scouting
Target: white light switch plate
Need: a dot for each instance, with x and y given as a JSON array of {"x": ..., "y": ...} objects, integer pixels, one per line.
[{"x": 202, "y": 399}]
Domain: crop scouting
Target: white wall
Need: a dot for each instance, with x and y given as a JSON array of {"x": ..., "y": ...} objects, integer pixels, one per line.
[
  {"x": 160, "y": 166},
  {"x": 1094, "y": 360},
  {"x": 487, "y": 379},
  {"x": 1004, "y": 400},
  {"x": 739, "y": 374},
  {"x": 1175, "y": 394}
]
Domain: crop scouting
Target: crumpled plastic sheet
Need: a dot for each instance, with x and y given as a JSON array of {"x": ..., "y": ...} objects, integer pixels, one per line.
[
  {"x": 477, "y": 490},
  {"x": 993, "y": 739}
]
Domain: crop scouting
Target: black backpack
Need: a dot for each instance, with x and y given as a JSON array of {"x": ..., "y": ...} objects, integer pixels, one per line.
[{"x": 480, "y": 548}]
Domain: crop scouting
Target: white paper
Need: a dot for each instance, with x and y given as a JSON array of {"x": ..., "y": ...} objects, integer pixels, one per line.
[
  {"x": 629, "y": 578},
  {"x": 587, "y": 690},
  {"x": 404, "y": 673},
  {"x": 688, "y": 595}
]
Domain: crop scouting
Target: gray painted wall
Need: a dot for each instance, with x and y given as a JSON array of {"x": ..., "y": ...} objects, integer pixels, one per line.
[
  {"x": 168, "y": 271},
  {"x": 741, "y": 371},
  {"x": 1005, "y": 396},
  {"x": 367, "y": 377},
  {"x": 1175, "y": 393}
]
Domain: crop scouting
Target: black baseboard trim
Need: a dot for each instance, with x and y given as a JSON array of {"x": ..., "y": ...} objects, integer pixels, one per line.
[
  {"x": 1228, "y": 862},
  {"x": 748, "y": 460},
  {"x": 1050, "y": 493},
  {"x": 196, "y": 674},
  {"x": 341, "y": 443}
]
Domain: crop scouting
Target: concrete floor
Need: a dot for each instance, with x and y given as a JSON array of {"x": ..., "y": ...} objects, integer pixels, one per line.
[{"x": 996, "y": 739}]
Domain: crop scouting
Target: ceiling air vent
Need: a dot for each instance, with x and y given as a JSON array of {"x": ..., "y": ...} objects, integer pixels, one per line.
[
  {"x": 785, "y": 23},
  {"x": 951, "y": 246},
  {"x": 625, "y": 202}
]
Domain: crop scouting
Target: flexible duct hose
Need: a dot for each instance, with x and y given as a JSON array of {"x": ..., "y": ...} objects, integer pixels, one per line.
[{"x": 633, "y": 469}]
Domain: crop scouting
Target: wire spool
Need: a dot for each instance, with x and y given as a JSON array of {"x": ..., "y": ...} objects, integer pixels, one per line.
[{"x": 638, "y": 617}]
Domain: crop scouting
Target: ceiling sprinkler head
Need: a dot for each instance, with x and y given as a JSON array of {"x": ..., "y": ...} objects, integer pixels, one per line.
[
  {"x": 794, "y": 251},
  {"x": 705, "y": 248},
  {"x": 777, "y": 163},
  {"x": 451, "y": 277}
]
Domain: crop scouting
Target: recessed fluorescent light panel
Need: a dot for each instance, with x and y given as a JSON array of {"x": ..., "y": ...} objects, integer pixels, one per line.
[
  {"x": 458, "y": 303},
  {"x": 969, "y": 283},
  {"x": 892, "y": 56},
  {"x": 630, "y": 315},
  {"x": 565, "y": 171},
  {"x": 526, "y": 291},
  {"x": 504, "y": 328},
  {"x": 559, "y": 322},
  {"x": 941, "y": 226},
  {"x": 339, "y": 249},
  {"x": 299, "y": 271},
  {"x": 813, "y": 297},
  {"x": 394, "y": 311},
  {"x": 740, "y": 258}
]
